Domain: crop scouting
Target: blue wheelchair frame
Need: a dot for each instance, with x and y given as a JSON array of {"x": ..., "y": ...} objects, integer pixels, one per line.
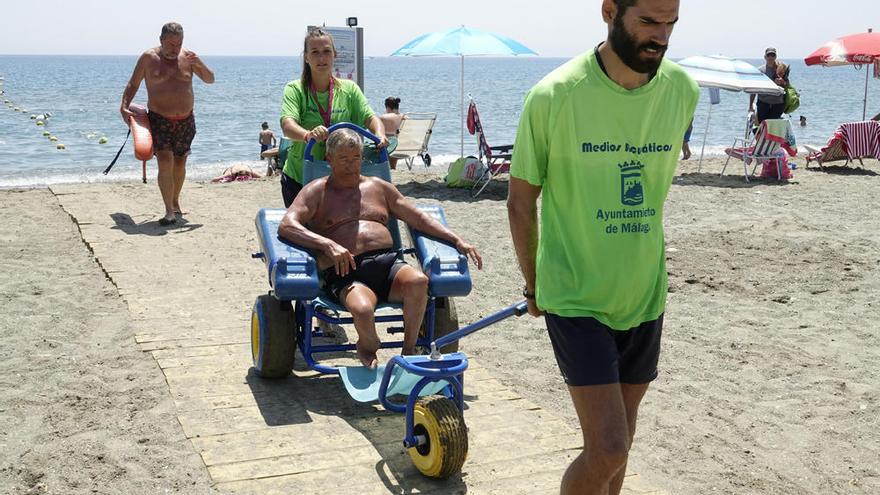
[{"x": 293, "y": 275}]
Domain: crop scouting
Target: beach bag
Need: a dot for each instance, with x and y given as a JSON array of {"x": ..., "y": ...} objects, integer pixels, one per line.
[
  {"x": 464, "y": 172},
  {"x": 792, "y": 99},
  {"x": 770, "y": 170}
]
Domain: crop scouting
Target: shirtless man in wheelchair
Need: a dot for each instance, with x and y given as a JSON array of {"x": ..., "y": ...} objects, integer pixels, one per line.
[{"x": 343, "y": 218}]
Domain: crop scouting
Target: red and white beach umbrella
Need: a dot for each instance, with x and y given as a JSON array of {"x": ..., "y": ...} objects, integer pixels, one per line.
[{"x": 862, "y": 49}]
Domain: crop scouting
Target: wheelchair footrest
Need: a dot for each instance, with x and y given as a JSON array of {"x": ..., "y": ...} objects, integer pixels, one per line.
[{"x": 362, "y": 383}]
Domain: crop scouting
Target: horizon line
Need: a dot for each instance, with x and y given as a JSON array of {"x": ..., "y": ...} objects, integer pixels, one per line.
[{"x": 365, "y": 56}]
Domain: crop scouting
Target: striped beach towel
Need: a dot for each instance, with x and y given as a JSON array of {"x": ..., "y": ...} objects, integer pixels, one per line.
[
  {"x": 862, "y": 139},
  {"x": 772, "y": 135}
]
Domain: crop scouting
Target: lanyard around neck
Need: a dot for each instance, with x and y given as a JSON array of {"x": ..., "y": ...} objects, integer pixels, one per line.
[{"x": 328, "y": 113}]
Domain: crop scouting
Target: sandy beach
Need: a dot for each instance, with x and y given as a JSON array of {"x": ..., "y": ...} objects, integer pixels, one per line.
[{"x": 768, "y": 376}]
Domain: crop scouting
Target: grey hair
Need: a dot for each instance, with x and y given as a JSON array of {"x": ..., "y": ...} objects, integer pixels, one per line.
[
  {"x": 343, "y": 138},
  {"x": 171, "y": 29}
]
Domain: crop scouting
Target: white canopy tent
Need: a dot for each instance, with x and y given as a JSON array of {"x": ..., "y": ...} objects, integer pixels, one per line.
[{"x": 719, "y": 72}]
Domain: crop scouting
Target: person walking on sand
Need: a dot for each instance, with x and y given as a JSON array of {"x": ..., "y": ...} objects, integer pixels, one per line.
[
  {"x": 168, "y": 72},
  {"x": 598, "y": 142},
  {"x": 314, "y": 103}
]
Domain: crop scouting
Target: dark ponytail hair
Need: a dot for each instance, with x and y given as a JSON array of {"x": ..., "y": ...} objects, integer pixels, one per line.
[
  {"x": 306, "y": 77},
  {"x": 392, "y": 103}
]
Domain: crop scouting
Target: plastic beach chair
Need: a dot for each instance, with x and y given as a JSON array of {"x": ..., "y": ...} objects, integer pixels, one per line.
[
  {"x": 773, "y": 139},
  {"x": 496, "y": 159},
  {"x": 851, "y": 141},
  {"x": 413, "y": 136},
  {"x": 278, "y": 153}
]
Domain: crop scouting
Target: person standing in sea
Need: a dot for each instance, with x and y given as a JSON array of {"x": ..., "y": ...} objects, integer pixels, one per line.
[
  {"x": 315, "y": 102},
  {"x": 168, "y": 72},
  {"x": 598, "y": 142}
]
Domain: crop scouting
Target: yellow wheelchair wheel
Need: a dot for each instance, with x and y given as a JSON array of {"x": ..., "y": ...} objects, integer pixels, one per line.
[
  {"x": 273, "y": 337},
  {"x": 438, "y": 421}
]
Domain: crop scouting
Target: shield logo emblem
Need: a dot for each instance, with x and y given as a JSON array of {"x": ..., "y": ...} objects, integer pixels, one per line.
[{"x": 631, "y": 192}]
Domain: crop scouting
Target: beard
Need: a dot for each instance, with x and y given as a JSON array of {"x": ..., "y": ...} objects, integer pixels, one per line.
[
  {"x": 167, "y": 55},
  {"x": 629, "y": 49}
]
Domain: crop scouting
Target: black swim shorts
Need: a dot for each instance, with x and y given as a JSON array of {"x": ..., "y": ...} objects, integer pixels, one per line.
[
  {"x": 374, "y": 269},
  {"x": 172, "y": 134},
  {"x": 590, "y": 353}
]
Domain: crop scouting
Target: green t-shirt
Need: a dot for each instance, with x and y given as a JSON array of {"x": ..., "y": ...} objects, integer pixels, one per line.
[
  {"x": 349, "y": 105},
  {"x": 604, "y": 157}
]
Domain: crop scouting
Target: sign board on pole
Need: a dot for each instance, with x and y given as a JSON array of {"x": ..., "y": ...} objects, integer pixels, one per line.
[{"x": 349, "y": 53}]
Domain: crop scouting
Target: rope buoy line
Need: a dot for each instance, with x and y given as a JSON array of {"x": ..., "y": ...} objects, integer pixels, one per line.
[{"x": 42, "y": 120}]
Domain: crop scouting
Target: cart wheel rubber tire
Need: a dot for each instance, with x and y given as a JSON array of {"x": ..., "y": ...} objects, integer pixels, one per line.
[
  {"x": 445, "y": 322},
  {"x": 273, "y": 337},
  {"x": 445, "y": 451}
]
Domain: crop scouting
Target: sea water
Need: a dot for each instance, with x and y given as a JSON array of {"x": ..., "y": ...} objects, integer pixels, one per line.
[{"x": 82, "y": 94}]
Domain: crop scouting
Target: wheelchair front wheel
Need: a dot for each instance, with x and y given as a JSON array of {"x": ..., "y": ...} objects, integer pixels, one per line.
[{"x": 439, "y": 424}]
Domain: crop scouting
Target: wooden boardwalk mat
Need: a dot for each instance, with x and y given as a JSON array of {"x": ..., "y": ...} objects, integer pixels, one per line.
[{"x": 302, "y": 434}]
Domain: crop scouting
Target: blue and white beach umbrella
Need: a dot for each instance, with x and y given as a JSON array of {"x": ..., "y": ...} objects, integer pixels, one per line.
[
  {"x": 719, "y": 72},
  {"x": 462, "y": 42}
]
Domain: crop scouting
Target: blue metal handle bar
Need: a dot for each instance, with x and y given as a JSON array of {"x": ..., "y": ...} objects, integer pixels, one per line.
[
  {"x": 383, "y": 154},
  {"x": 517, "y": 309},
  {"x": 428, "y": 374},
  {"x": 436, "y": 370}
]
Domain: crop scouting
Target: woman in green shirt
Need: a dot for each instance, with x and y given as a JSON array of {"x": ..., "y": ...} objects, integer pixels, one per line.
[{"x": 315, "y": 102}]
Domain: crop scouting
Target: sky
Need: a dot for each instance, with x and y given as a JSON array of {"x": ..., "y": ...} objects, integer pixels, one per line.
[{"x": 552, "y": 28}]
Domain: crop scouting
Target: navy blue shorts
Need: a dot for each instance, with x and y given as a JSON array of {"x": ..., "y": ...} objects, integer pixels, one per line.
[
  {"x": 590, "y": 353},
  {"x": 374, "y": 269}
]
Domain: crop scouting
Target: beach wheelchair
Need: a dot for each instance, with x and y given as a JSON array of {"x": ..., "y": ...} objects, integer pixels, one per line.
[{"x": 283, "y": 320}]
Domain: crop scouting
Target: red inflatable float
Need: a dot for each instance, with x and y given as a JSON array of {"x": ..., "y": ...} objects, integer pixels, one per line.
[{"x": 139, "y": 124}]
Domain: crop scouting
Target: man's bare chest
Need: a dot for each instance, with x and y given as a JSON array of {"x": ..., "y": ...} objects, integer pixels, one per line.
[
  {"x": 338, "y": 209},
  {"x": 162, "y": 71}
]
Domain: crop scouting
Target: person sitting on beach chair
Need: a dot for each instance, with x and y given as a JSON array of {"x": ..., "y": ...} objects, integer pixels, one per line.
[{"x": 344, "y": 219}]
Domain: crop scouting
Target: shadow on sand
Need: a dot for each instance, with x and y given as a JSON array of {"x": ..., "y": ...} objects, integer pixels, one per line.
[
  {"x": 125, "y": 223},
  {"x": 705, "y": 179},
  {"x": 436, "y": 189},
  {"x": 296, "y": 399},
  {"x": 842, "y": 170}
]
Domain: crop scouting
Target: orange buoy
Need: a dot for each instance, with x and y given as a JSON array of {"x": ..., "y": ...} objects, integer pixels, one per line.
[{"x": 140, "y": 132}]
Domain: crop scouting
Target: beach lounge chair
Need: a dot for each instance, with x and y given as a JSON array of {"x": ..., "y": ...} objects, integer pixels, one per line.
[
  {"x": 496, "y": 159},
  {"x": 413, "y": 136},
  {"x": 773, "y": 138},
  {"x": 278, "y": 154},
  {"x": 851, "y": 141}
]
